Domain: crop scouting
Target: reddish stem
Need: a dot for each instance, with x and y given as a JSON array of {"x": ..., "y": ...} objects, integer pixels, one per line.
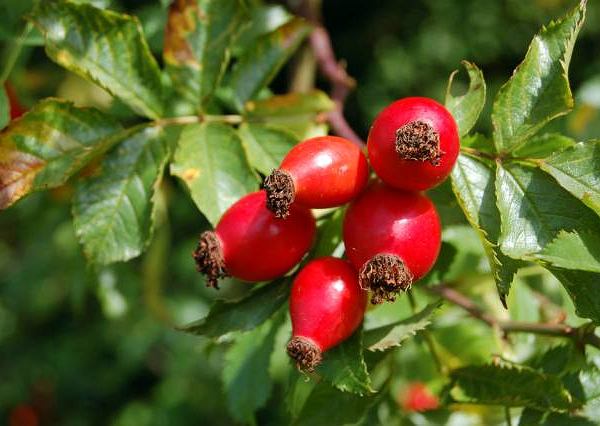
[{"x": 334, "y": 71}]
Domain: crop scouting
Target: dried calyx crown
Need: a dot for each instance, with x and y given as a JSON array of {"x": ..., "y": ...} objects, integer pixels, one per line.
[
  {"x": 418, "y": 140},
  {"x": 306, "y": 354},
  {"x": 280, "y": 190},
  {"x": 385, "y": 275},
  {"x": 209, "y": 258}
]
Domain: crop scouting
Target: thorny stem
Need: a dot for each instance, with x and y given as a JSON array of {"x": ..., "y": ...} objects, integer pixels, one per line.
[
  {"x": 581, "y": 335},
  {"x": 334, "y": 71}
]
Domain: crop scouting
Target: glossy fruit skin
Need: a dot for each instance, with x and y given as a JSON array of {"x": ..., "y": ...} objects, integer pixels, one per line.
[
  {"x": 257, "y": 246},
  {"x": 326, "y": 303},
  {"x": 327, "y": 171},
  {"x": 384, "y": 220},
  {"x": 412, "y": 175}
]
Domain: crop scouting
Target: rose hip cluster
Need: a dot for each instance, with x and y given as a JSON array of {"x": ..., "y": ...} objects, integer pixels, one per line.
[{"x": 392, "y": 232}]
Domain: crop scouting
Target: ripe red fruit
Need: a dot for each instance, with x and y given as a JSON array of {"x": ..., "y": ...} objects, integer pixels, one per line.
[
  {"x": 326, "y": 306},
  {"x": 320, "y": 172},
  {"x": 392, "y": 237},
  {"x": 413, "y": 144},
  {"x": 250, "y": 244},
  {"x": 23, "y": 415},
  {"x": 418, "y": 398}
]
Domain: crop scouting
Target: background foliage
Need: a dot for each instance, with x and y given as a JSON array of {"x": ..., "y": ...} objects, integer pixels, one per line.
[{"x": 96, "y": 344}]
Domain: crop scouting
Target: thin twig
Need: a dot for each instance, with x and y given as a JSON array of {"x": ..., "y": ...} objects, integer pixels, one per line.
[
  {"x": 330, "y": 68},
  {"x": 581, "y": 335}
]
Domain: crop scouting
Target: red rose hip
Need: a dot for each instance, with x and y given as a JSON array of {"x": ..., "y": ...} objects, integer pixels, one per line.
[
  {"x": 320, "y": 172},
  {"x": 413, "y": 144},
  {"x": 417, "y": 397},
  {"x": 326, "y": 306},
  {"x": 249, "y": 243},
  {"x": 392, "y": 237}
]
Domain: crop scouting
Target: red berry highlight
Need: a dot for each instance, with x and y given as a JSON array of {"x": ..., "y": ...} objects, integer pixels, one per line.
[
  {"x": 413, "y": 144},
  {"x": 320, "y": 172},
  {"x": 392, "y": 237},
  {"x": 326, "y": 306},
  {"x": 418, "y": 398},
  {"x": 250, "y": 244}
]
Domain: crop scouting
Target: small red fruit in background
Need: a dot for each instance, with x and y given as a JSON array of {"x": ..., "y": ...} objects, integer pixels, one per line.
[
  {"x": 23, "y": 415},
  {"x": 249, "y": 243},
  {"x": 16, "y": 109},
  {"x": 321, "y": 172},
  {"x": 326, "y": 306},
  {"x": 418, "y": 398},
  {"x": 392, "y": 237},
  {"x": 413, "y": 144}
]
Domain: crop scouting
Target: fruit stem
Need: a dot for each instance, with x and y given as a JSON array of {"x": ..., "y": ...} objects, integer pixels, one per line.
[
  {"x": 418, "y": 141},
  {"x": 209, "y": 259}
]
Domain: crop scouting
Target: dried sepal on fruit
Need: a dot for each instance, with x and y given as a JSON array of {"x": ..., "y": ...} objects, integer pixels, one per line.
[
  {"x": 326, "y": 306},
  {"x": 413, "y": 144},
  {"x": 321, "y": 172},
  {"x": 392, "y": 237},
  {"x": 250, "y": 244}
]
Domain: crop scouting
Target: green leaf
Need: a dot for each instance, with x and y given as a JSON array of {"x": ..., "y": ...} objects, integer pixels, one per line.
[
  {"x": 265, "y": 145},
  {"x": 534, "y": 209},
  {"x": 539, "y": 89},
  {"x": 114, "y": 212},
  {"x": 290, "y": 105},
  {"x": 297, "y": 113},
  {"x": 245, "y": 373},
  {"x": 571, "y": 250},
  {"x": 196, "y": 48},
  {"x": 329, "y": 234},
  {"x": 583, "y": 288},
  {"x": 541, "y": 146},
  {"x": 584, "y": 383},
  {"x": 104, "y": 47},
  {"x": 511, "y": 386},
  {"x": 466, "y": 108},
  {"x": 261, "y": 62},
  {"x": 392, "y": 335},
  {"x": 344, "y": 366},
  {"x": 443, "y": 264},
  {"x": 211, "y": 161},
  {"x": 49, "y": 144},
  {"x": 559, "y": 360},
  {"x": 263, "y": 19},
  {"x": 577, "y": 169},
  {"x": 241, "y": 315},
  {"x": 4, "y": 108},
  {"x": 328, "y": 406},
  {"x": 531, "y": 417},
  {"x": 473, "y": 185}
]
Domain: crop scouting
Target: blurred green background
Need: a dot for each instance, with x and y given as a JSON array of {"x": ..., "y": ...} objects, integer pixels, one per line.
[{"x": 85, "y": 346}]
